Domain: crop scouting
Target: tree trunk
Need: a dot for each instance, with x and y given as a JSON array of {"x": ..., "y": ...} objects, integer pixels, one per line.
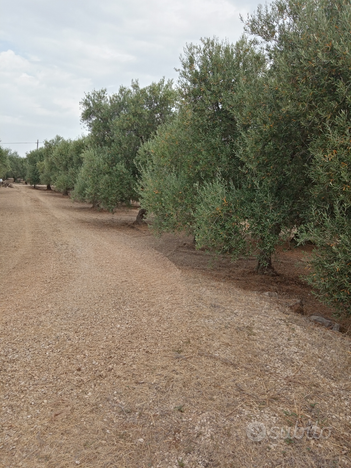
[
  {"x": 264, "y": 265},
  {"x": 140, "y": 217},
  {"x": 48, "y": 187}
]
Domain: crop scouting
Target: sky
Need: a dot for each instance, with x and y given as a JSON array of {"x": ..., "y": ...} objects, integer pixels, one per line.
[{"x": 53, "y": 52}]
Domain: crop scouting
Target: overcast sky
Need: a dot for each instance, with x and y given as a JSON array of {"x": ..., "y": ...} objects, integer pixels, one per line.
[{"x": 52, "y": 52}]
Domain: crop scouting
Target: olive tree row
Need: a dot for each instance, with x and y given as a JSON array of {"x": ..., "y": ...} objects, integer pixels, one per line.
[
  {"x": 261, "y": 143},
  {"x": 56, "y": 163},
  {"x": 252, "y": 143}
]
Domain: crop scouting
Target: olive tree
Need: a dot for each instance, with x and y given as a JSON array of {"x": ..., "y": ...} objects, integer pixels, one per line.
[
  {"x": 34, "y": 159},
  {"x": 194, "y": 161},
  {"x": 119, "y": 125},
  {"x": 4, "y": 162}
]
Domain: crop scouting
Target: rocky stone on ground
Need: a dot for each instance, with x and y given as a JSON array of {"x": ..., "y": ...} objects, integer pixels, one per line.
[{"x": 325, "y": 322}]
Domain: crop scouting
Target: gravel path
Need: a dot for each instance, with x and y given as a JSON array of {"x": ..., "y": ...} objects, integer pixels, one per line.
[{"x": 110, "y": 356}]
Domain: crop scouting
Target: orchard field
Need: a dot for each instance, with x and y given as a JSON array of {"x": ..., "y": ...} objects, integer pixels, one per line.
[{"x": 187, "y": 340}]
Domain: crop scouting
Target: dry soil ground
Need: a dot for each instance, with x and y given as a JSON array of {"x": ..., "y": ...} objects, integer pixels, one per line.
[{"x": 118, "y": 349}]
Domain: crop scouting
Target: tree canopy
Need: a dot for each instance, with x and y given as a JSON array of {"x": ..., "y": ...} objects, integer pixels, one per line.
[{"x": 119, "y": 125}]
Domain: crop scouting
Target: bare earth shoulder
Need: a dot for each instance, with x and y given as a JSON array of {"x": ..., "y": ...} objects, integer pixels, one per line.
[{"x": 112, "y": 354}]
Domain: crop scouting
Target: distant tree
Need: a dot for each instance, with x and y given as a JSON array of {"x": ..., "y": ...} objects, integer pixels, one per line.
[
  {"x": 33, "y": 158},
  {"x": 3, "y": 162},
  {"x": 17, "y": 166},
  {"x": 119, "y": 125},
  {"x": 101, "y": 183},
  {"x": 61, "y": 162},
  {"x": 47, "y": 168},
  {"x": 68, "y": 160}
]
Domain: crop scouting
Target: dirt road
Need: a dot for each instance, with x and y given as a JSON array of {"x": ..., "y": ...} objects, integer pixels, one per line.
[{"x": 111, "y": 356}]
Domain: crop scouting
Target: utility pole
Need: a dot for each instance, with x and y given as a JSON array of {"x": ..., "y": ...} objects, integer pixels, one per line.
[{"x": 37, "y": 144}]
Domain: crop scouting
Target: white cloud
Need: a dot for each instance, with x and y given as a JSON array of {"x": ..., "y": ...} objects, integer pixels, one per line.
[{"x": 51, "y": 53}]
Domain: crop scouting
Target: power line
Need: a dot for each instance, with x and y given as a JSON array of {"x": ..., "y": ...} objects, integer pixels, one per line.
[{"x": 25, "y": 143}]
